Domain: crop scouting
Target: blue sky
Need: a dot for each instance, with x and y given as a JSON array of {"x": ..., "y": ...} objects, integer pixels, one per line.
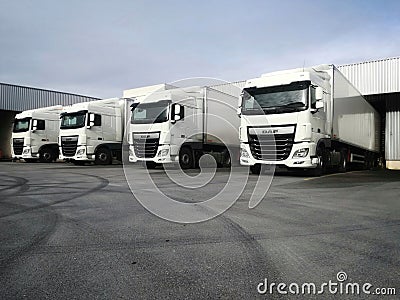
[{"x": 100, "y": 48}]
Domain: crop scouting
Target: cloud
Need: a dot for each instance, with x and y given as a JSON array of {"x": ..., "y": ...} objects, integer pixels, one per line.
[{"x": 100, "y": 48}]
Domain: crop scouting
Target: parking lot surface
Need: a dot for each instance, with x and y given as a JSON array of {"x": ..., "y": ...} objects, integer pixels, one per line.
[{"x": 70, "y": 232}]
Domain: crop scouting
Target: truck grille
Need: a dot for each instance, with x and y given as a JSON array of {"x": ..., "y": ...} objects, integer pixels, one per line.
[
  {"x": 69, "y": 145},
  {"x": 18, "y": 146},
  {"x": 264, "y": 147},
  {"x": 146, "y": 145}
]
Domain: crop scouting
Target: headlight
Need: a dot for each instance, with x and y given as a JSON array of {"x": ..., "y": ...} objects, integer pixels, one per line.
[
  {"x": 244, "y": 153},
  {"x": 301, "y": 153},
  {"x": 80, "y": 152},
  {"x": 130, "y": 152},
  {"x": 163, "y": 152},
  {"x": 26, "y": 151}
]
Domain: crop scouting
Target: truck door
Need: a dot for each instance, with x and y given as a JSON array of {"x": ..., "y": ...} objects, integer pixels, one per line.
[{"x": 318, "y": 117}]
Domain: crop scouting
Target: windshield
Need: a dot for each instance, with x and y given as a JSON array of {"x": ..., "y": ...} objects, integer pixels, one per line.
[
  {"x": 148, "y": 113},
  {"x": 73, "y": 120},
  {"x": 21, "y": 125},
  {"x": 276, "y": 99}
]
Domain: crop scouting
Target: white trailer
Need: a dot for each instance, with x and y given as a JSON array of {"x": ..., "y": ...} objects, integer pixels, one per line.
[
  {"x": 35, "y": 133},
  {"x": 182, "y": 124},
  {"x": 310, "y": 118}
]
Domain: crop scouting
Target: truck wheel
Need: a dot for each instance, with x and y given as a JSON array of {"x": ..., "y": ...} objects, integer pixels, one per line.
[
  {"x": 151, "y": 165},
  {"x": 322, "y": 161},
  {"x": 46, "y": 155},
  {"x": 186, "y": 158},
  {"x": 255, "y": 169},
  {"x": 227, "y": 160},
  {"x": 369, "y": 161},
  {"x": 343, "y": 162},
  {"x": 102, "y": 156}
]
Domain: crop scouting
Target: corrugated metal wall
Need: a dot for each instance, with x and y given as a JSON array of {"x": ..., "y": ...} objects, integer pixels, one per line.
[
  {"x": 392, "y": 135},
  {"x": 374, "y": 77},
  {"x": 20, "y": 98}
]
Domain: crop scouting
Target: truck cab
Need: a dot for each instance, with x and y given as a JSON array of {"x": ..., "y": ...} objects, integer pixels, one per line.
[
  {"x": 151, "y": 121},
  {"x": 308, "y": 118},
  {"x": 35, "y": 133},
  {"x": 92, "y": 131},
  {"x": 284, "y": 115}
]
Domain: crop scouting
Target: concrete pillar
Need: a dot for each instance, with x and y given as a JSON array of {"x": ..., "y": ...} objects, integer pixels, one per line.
[{"x": 6, "y": 125}]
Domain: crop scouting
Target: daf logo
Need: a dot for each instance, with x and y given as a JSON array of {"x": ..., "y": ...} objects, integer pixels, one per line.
[
  {"x": 270, "y": 131},
  {"x": 144, "y": 136}
]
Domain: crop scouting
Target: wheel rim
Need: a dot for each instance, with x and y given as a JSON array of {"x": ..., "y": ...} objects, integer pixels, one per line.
[
  {"x": 185, "y": 159},
  {"x": 102, "y": 156},
  {"x": 46, "y": 155}
]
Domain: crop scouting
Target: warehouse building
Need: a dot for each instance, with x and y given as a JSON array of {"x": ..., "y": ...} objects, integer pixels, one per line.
[
  {"x": 379, "y": 83},
  {"x": 15, "y": 98}
]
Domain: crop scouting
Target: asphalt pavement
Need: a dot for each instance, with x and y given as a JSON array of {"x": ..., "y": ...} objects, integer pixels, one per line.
[{"x": 78, "y": 232}]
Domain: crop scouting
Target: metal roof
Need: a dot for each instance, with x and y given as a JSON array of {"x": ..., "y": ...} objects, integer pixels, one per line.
[
  {"x": 374, "y": 77},
  {"x": 20, "y": 98}
]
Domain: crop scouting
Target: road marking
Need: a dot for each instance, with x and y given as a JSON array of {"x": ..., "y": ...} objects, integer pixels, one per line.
[{"x": 334, "y": 174}]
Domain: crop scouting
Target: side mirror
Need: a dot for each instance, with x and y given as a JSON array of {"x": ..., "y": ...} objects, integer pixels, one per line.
[
  {"x": 239, "y": 111},
  {"x": 90, "y": 122},
  {"x": 134, "y": 105},
  {"x": 34, "y": 125},
  {"x": 319, "y": 104},
  {"x": 177, "y": 112},
  {"x": 319, "y": 93}
]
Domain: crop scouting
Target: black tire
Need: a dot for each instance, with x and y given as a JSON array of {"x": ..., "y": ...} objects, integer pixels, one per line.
[
  {"x": 46, "y": 155},
  {"x": 151, "y": 165},
  {"x": 255, "y": 169},
  {"x": 186, "y": 158},
  {"x": 369, "y": 161},
  {"x": 227, "y": 160},
  {"x": 102, "y": 156},
  {"x": 322, "y": 162},
  {"x": 343, "y": 165}
]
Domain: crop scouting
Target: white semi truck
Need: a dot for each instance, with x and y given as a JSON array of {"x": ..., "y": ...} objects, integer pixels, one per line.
[
  {"x": 35, "y": 133},
  {"x": 308, "y": 118},
  {"x": 93, "y": 131},
  {"x": 179, "y": 125}
]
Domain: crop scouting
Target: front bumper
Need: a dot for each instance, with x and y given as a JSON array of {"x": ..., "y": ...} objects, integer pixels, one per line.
[
  {"x": 247, "y": 159},
  {"x": 163, "y": 155},
  {"x": 27, "y": 152},
  {"x": 80, "y": 155}
]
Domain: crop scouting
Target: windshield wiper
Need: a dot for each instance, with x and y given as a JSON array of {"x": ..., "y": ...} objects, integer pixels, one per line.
[
  {"x": 289, "y": 105},
  {"x": 293, "y": 104}
]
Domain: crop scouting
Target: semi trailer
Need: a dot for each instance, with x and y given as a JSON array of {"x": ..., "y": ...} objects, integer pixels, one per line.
[
  {"x": 35, "y": 133},
  {"x": 179, "y": 125},
  {"x": 93, "y": 131},
  {"x": 307, "y": 118}
]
